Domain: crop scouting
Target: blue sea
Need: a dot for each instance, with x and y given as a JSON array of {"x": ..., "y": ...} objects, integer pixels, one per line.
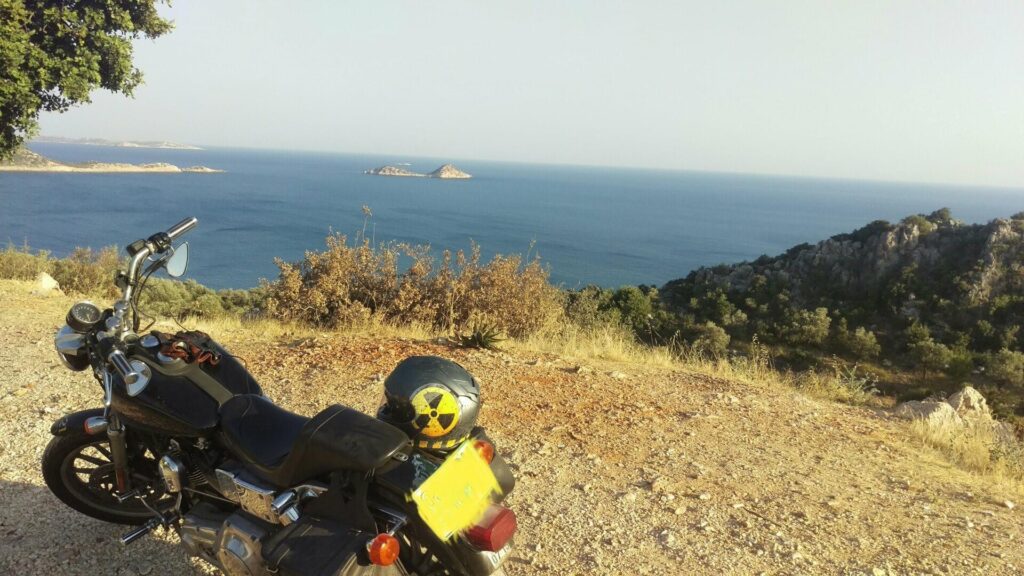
[{"x": 605, "y": 226}]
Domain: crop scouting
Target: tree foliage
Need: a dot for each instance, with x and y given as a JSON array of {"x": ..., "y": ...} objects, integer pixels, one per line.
[{"x": 53, "y": 54}]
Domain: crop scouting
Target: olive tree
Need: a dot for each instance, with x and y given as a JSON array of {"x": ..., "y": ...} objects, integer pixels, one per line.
[{"x": 54, "y": 53}]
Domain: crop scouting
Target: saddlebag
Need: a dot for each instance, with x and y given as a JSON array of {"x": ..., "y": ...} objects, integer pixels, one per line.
[{"x": 314, "y": 545}]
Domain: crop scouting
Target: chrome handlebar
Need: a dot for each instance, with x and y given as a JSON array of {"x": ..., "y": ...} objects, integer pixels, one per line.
[
  {"x": 182, "y": 227},
  {"x": 150, "y": 247}
]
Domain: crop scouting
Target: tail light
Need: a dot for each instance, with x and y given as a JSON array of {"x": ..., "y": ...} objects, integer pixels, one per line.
[
  {"x": 383, "y": 550},
  {"x": 485, "y": 449},
  {"x": 494, "y": 531}
]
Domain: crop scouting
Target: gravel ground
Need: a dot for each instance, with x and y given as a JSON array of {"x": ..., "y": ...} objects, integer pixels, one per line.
[{"x": 622, "y": 469}]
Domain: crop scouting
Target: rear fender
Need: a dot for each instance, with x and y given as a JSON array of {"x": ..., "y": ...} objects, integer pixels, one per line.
[{"x": 74, "y": 421}]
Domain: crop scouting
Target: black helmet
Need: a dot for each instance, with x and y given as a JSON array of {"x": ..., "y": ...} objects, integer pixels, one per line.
[{"x": 435, "y": 401}]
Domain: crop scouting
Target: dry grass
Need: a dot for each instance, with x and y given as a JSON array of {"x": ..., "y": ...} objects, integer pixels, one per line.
[
  {"x": 611, "y": 343},
  {"x": 975, "y": 446}
]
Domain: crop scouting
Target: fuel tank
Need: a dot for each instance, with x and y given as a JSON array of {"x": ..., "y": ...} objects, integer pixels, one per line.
[{"x": 181, "y": 399}]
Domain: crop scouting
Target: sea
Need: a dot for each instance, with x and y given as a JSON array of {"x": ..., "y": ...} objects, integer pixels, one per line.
[{"x": 590, "y": 225}]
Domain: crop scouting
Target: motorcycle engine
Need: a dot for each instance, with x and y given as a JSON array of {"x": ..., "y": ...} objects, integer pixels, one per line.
[{"x": 231, "y": 542}]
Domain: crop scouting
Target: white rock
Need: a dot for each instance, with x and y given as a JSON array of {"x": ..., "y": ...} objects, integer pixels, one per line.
[
  {"x": 45, "y": 284},
  {"x": 970, "y": 403},
  {"x": 932, "y": 412},
  {"x": 1009, "y": 505}
]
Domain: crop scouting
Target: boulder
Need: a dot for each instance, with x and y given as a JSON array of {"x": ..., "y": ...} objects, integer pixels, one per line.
[
  {"x": 933, "y": 412},
  {"x": 969, "y": 403},
  {"x": 45, "y": 284}
]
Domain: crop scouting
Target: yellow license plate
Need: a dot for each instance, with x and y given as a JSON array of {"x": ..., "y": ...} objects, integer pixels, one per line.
[{"x": 456, "y": 496}]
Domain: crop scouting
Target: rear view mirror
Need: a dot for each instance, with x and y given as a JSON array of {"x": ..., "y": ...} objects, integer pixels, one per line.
[{"x": 178, "y": 262}]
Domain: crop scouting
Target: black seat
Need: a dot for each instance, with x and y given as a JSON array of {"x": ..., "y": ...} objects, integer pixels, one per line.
[{"x": 285, "y": 448}]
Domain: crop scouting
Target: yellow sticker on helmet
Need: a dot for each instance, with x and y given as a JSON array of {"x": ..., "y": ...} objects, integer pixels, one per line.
[{"x": 437, "y": 411}]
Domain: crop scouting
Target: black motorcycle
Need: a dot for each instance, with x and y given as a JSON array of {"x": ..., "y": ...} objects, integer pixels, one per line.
[{"x": 186, "y": 440}]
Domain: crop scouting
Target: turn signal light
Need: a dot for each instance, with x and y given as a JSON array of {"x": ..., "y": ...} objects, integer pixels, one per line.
[
  {"x": 383, "y": 550},
  {"x": 485, "y": 449},
  {"x": 495, "y": 529}
]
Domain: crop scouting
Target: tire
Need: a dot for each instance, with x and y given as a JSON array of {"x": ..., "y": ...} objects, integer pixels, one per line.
[{"x": 88, "y": 490}]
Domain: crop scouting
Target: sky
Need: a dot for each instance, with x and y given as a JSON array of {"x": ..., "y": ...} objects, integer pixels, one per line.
[{"x": 927, "y": 91}]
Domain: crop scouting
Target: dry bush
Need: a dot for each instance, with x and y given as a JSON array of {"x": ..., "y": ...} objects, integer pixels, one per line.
[
  {"x": 346, "y": 285},
  {"x": 21, "y": 264},
  {"x": 88, "y": 272}
]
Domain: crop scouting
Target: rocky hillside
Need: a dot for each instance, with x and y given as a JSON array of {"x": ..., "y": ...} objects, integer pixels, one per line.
[
  {"x": 894, "y": 264},
  {"x": 935, "y": 303}
]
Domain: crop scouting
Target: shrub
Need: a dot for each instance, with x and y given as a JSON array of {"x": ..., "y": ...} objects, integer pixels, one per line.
[
  {"x": 711, "y": 340},
  {"x": 930, "y": 355},
  {"x": 21, "y": 264},
  {"x": 1007, "y": 367},
  {"x": 808, "y": 327},
  {"x": 860, "y": 343},
  {"x": 88, "y": 272},
  {"x": 591, "y": 308},
  {"x": 346, "y": 285}
]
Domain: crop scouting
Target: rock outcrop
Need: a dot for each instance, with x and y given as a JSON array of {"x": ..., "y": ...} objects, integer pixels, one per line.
[
  {"x": 445, "y": 172},
  {"x": 449, "y": 171},
  {"x": 392, "y": 171}
]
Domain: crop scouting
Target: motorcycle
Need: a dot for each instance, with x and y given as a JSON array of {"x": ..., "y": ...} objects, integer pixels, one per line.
[{"x": 186, "y": 440}]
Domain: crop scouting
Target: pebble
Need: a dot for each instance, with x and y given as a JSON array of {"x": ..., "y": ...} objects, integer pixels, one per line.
[{"x": 1009, "y": 504}]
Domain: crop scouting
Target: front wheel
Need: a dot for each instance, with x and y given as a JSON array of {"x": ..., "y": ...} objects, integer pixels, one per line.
[{"x": 78, "y": 469}]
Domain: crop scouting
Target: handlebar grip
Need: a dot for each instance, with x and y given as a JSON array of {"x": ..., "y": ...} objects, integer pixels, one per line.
[
  {"x": 123, "y": 367},
  {"x": 182, "y": 227}
]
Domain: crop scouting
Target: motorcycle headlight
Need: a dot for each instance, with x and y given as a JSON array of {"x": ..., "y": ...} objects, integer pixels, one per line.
[{"x": 70, "y": 347}]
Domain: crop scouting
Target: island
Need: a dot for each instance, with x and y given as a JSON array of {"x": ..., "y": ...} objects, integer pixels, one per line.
[
  {"x": 445, "y": 172},
  {"x": 24, "y": 160},
  {"x": 163, "y": 145}
]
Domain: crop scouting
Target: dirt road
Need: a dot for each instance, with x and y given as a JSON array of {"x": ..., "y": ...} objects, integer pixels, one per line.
[{"x": 622, "y": 469}]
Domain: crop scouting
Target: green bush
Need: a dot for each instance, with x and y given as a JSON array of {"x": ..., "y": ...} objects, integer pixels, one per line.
[
  {"x": 1007, "y": 367},
  {"x": 808, "y": 327},
  {"x": 930, "y": 356},
  {"x": 710, "y": 340},
  {"x": 860, "y": 343}
]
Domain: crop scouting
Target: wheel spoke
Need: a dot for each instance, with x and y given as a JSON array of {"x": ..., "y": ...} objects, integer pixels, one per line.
[
  {"x": 92, "y": 459},
  {"x": 102, "y": 450}
]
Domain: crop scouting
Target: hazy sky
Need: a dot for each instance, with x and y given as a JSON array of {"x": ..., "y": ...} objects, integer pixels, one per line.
[{"x": 921, "y": 91}]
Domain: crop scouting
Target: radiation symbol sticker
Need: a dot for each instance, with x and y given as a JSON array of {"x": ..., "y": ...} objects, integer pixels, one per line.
[{"x": 437, "y": 411}]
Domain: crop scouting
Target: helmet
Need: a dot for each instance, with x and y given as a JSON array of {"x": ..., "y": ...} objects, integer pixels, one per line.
[{"x": 435, "y": 401}]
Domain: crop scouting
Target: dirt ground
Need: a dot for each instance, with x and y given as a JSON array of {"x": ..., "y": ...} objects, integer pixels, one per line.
[{"x": 622, "y": 469}]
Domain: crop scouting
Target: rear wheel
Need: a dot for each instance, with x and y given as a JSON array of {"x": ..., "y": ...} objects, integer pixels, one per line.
[{"x": 78, "y": 469}]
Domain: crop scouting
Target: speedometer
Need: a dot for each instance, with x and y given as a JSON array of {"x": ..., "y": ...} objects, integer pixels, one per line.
[{"x": 83, "y": 316}]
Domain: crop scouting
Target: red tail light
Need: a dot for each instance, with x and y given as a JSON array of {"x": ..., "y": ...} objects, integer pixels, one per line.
[
  {"x": 383, "y": 550},
  {"x": 494, "y": 531},
  {"x": 485, "y": 449}
]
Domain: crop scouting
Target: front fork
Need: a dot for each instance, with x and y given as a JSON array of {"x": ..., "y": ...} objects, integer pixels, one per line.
[{"x": 119, "y": 454}]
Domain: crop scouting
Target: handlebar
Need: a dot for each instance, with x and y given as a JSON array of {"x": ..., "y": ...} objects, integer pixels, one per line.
[
  {"x": 182, "y": 227},
  {"x": 120, "y": 362}
]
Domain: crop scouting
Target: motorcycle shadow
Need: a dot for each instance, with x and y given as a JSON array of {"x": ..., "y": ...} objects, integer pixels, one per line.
[{"x": 40, "y": 535}]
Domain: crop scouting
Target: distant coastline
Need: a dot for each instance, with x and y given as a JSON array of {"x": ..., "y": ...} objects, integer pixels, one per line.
[
  {"x": 445, "y": 172},
  {"x": 25, "y": 160},
  {"x": 162, "y": 145}
]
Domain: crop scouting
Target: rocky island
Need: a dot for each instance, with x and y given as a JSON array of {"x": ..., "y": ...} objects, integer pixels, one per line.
[
  {"x": 446, "y": 172},
  {"x": 25, "y": 160}
]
